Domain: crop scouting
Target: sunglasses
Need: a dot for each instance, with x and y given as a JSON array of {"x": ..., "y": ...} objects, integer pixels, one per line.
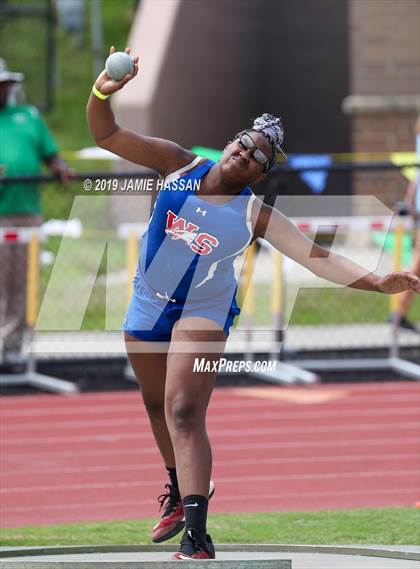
[{"x": 258, "y": 155}]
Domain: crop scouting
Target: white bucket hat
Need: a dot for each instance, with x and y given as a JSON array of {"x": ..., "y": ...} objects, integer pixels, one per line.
[{"x": 6, "y": 75}]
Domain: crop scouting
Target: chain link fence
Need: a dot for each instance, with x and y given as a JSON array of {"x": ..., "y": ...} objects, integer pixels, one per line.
[
  {"x": 35, "y": 58},
  {"x": 87, "y": 261}
]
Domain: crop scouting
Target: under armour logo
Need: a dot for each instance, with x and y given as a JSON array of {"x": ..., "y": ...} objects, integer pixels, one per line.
[
  {"x": 202, "y": 211},
  {"x": 165, "y": 297}
]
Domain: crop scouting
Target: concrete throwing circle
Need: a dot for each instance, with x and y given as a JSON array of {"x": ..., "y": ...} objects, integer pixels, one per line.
[{"x": 246, "y": 556}]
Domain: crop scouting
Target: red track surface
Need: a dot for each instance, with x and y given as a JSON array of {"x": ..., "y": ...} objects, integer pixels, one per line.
[{"x": 92, "y": 457}]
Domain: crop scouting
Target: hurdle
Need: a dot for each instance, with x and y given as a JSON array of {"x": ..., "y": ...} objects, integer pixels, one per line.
[
  {"x": 248, "y": 307},
  {"x": 301, "y": 371},
  {"x": 393, "y": 361},
  {"x": 130, "y": 233},
  {"x": 398, "y": 364},
  {"x": 284, "y": 373},
  {"x": 32, "y": 236}
]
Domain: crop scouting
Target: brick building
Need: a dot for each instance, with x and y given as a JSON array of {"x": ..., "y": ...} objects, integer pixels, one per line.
[{"x": 384, "y": 97}]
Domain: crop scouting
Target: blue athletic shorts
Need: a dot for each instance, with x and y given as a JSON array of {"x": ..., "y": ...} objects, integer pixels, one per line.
[{"x": 151, "y": 318}]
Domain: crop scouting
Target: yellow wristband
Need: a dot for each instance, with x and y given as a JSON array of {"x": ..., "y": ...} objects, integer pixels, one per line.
[{"x": 98, "y": 94}]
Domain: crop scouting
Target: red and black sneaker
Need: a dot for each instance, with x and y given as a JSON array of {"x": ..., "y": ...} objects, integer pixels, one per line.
[
  {"x": 172, "y": 521},
  {"x": 194, "y": 546}
]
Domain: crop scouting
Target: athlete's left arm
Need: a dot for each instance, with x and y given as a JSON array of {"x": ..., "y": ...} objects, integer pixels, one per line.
[{"x": 277, "y": 229}]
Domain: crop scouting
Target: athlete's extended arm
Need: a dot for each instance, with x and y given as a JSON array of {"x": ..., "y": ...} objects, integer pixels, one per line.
[
  {"x": 278, "y": 230},
  {"x": 156, "y": 153}
]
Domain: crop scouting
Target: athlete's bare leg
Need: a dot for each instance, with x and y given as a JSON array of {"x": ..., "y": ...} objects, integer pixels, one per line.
[
  {"x": 186, "y": 399},
  {"x": 150, "y": 370}
]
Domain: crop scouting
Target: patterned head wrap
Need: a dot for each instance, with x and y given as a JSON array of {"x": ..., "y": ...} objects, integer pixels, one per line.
[{"x": 271, "y": 127}]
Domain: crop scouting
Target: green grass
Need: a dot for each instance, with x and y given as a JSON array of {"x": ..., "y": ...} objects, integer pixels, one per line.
[
  {"x": 73, "y": 78},
  {"x": 58, "y": 199},
  {"x": 313, "y": 306},
  {"x": 68, "y": 123},
  {"x": 389, "y": 526},
  {"x": 330, "y": 306},
  {"x": 82, "y": 261},
  {"x": 68, "y": 120},
  {"x": 73, "y": 75},
  {"x": 344, "y": 306}
]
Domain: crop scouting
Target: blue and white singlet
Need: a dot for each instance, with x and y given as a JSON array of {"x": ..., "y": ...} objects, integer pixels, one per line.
[{"x": 186, "y": 260}]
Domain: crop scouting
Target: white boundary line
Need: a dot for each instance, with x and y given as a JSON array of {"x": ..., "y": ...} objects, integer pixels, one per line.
[
  {"x": 137, "y": 421},
  {"x": 216, "y": 464},
  {"x": 237, "y": 480},
  {"x": 224, "y": 433},
  {"x": 139, "y": 451},
  {"x": 235, "y": 497},
  {"x": 243, "y": 402}
]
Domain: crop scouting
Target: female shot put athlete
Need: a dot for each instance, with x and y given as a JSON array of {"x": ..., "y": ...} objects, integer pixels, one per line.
[{"x": 184, "y": 290}]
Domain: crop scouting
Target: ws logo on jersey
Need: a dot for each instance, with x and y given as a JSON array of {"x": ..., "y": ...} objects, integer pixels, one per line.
[{"x": 180, "y": 228}]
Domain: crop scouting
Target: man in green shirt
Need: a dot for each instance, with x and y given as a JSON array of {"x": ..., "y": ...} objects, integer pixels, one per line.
[{"x": 25, "y": 144}]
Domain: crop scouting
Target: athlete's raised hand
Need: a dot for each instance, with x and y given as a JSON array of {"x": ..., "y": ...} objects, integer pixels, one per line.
[
  {"x": 399, "y": 282},
  {"x": 106, "y": 85}
]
